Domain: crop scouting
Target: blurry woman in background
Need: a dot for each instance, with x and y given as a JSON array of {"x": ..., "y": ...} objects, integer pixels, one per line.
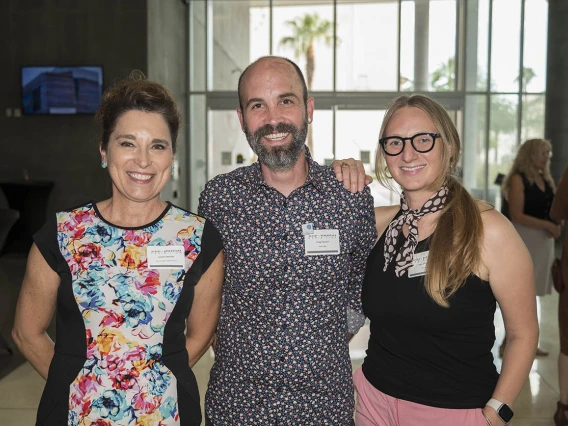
[
  {"x": 528, "y": 191},
  {"x": 126, "y": 276},
  {"x": 558, "y": 213},
  {"x": 440, "y": 265}
]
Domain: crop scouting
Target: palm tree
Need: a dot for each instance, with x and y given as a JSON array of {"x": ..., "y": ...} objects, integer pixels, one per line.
[
  {"x": 305, "y": 31},
  {"x": 533, "y": 108},
  {"x": 528, "y": 75},
  {"x": 444, "y": 77}
]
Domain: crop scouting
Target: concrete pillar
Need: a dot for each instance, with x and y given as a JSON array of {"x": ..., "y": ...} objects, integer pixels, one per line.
[
  {"x": 471, "y": 128},
  {"x": 229, "y": 41},
  {"x": 197, "y": 119},
  {"x": 421, "y": 26},
  {"x": 556, "y": 118},
  {"x": 218, "y": 53},
  {"x": 167, "y": 64}
]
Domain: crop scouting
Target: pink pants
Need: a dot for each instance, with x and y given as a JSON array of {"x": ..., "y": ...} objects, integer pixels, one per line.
[{"x": 375, "y": 408}]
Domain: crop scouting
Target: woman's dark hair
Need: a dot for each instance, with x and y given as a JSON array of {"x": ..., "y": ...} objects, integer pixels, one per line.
[{"x": 141, "y": 94}]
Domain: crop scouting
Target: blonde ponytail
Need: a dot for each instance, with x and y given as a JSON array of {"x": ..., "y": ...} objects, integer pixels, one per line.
[{"x": 455, "y": 245}]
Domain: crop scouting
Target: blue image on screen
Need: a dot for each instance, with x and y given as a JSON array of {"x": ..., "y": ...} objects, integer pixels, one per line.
[{"x": 61, "y": 90}]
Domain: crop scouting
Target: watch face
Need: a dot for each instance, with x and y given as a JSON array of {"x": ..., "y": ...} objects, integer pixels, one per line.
[{"x": 505, "y": 413}]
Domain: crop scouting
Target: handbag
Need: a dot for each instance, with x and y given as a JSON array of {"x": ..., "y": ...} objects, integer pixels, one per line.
[{"x": 557, "y": 279}]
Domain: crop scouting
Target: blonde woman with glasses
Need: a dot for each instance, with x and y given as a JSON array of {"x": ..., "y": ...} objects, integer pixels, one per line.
[{"x": 440, "y": 265}]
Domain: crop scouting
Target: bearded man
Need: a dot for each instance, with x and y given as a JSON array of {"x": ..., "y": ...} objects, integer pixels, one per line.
[{"x": 296, "y": 244}]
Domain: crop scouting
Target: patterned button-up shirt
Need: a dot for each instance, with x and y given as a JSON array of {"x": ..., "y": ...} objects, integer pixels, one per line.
[{"x": 282, "y": 353}]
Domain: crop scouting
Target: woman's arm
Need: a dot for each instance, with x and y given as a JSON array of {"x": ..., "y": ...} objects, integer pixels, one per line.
[
  {"x": 34, "y": 310},
  {"x": 383, "y": 217},
  {"x": 516, "y": 199},
  {"x": 204, "y": 314},
  {"x": 509, "y": 270}
]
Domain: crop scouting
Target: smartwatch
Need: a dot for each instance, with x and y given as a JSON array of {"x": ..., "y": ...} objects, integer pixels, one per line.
[{"x": 503, "y": 410}]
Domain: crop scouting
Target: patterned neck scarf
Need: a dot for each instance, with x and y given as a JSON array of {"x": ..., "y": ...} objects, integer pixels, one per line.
[{"x": 405, "y": 255}]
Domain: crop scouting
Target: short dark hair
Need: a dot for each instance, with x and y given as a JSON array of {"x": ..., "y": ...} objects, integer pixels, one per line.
[
  {"x": 296, "y": 67},
  {"x": 136, "y": 93}
]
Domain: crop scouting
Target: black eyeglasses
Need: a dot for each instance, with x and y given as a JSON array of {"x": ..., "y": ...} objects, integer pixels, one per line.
[{"x": 421, "y": 142}]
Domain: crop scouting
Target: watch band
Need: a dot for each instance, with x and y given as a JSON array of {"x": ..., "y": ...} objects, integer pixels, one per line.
[
  {"x": 495, "y": 404},
  {"x": 502, "y": 409}
]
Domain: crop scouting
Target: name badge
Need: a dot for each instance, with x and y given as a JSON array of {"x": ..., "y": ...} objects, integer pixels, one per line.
[
  {"x": 418, "y": 267},
  {"x": 165, "y": 257},
  {"x": 322, "y": 242}
]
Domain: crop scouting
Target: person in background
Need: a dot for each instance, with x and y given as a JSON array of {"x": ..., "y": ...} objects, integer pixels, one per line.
[
  {"x": 528, "y": 190},
  {"x": 295, "y": 243},
  {"x": 559, "y": 213},
  {"x": 126, "y": 276},
  {"x": 441, "y": 263}
]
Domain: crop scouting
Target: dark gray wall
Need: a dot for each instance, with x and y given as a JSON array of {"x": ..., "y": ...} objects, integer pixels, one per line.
[
  {"x": 556, "y": 120},
  {"x": 63, "y": 149}
]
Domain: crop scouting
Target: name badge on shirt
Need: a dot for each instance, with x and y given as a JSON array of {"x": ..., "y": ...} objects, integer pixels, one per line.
[
  {"x": 322, "y": 242},
  {"x": 165, "y": 257},
  {"x": 418, "y": 267}
]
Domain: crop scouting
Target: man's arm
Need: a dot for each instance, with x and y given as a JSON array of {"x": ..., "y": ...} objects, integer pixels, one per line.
[
  {"x": 209, "y": 206},
  {"x": 365, "y": 235},
  {"x": 352, "y": 173}
]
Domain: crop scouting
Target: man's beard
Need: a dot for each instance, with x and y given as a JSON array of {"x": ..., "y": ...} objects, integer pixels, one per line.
[{"x": 278, "y": 158}]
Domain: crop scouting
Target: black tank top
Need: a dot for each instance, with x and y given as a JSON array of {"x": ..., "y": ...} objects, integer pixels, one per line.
[
  {"x": 421, "y": 352},
  {"x": 537, "y": 202}
]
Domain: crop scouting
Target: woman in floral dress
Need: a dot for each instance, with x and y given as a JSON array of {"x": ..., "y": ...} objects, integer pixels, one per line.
[{"x": 135, "y": 281}]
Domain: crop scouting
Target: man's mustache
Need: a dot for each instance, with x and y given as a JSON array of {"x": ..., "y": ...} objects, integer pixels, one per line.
[{"x": 267, "y": 129}]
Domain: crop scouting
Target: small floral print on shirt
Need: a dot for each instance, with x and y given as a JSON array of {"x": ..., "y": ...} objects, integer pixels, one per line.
[{"x": 282, "y": 352}]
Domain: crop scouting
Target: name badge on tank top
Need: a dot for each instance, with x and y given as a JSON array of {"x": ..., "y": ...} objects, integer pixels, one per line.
[
  {"x": 322, "y": 242},
  {"x": 418, "y": 267},
  {"x": 165, "y": 257}
]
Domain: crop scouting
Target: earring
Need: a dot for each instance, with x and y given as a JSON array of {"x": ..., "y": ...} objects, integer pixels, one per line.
[
  {"x": 172, "y": 170},
  {"x": 103, "y": 164}
]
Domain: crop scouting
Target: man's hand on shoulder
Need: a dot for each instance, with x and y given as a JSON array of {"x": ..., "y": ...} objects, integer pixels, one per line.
[{"x": 352, "y": 173}]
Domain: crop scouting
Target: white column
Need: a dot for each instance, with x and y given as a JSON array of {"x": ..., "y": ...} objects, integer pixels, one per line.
[
  {"x": 421, "y": 35},
  {"x": 471, "y": 132}
]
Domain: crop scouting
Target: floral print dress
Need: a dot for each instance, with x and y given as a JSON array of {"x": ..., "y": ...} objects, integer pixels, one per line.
[{"x": 120, "y": 356}]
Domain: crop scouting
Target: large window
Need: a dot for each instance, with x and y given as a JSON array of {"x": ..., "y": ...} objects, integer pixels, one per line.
[
  {"x": 304, "y": 31},
  {"x": 484, "y": 60},
  {"x": 367, "y": 46},
  {"x": 428, "y": 45},
  {"x": 505, "y": 63}
]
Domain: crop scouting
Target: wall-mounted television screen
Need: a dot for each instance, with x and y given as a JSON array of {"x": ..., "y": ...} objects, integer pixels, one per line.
[{"x": 61, "y": 90}]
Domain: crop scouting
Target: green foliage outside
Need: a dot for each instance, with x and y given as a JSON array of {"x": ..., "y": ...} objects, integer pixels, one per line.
[{"x": 306, "y": 30}]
